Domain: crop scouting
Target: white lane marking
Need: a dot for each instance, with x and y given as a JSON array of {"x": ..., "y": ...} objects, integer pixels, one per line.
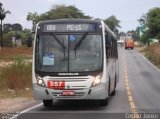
[
  {"x": 149, "y": 62},
  {"x": 26, "y": 110}
]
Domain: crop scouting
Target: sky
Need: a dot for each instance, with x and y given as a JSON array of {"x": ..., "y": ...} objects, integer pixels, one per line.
[{"x": 127, "y": 11}]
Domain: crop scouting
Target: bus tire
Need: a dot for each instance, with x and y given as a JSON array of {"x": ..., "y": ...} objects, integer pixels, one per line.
[
  {"x": 47, "y": 103},
  {"x": 114, "y": 91},
  {"x": 109, "y": 88}
]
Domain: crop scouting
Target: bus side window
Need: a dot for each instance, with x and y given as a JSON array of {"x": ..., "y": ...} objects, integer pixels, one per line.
[
  {"x": 108, "y": 45},
  {"x": 112, "y": 48}
]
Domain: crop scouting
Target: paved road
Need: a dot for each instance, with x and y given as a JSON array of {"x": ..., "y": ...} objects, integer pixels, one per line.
[{"x": 143, "y": 82}]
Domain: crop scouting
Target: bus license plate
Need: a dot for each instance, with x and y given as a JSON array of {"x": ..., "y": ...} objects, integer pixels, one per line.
[
  {"x": 56, "y": 84},
  {"x": 68, "y": 93}
]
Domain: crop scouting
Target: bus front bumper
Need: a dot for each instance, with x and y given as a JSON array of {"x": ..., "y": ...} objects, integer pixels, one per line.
[{"x": 99, "y": 92}]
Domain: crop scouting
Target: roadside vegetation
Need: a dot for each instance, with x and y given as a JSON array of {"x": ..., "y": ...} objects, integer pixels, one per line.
[
  {"x": 15, "y": 72},
  {"x": 149, "y": 35},
  {"x": 152, "y": 52},
  {"x": 15, "y": 79}
]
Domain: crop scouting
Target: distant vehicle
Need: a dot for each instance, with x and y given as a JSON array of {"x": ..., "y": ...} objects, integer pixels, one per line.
[
  {"x": 74, "y": 59},
  {"x": 121, "y": 43},
  {"x": 129, "y": 43}
]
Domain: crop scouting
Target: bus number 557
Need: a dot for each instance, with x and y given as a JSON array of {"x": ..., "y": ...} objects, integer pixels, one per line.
[{"x": 56, "y": 84}]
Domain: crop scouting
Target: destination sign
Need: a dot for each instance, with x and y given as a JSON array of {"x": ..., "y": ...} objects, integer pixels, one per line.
[{"x": 69, "y": 27}]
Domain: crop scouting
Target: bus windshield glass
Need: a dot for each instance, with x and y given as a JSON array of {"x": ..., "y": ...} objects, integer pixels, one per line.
[{"x": 77, "y": 52}]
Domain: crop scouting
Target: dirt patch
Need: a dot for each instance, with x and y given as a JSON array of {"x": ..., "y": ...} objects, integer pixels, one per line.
[
  {"x": 141, "y": 50},
  {"x": 13, "y": 100},
  {"x": 4, "y": 63},
  {"x": 15, "y": 104},
  {"x": 10, "y": 53}
]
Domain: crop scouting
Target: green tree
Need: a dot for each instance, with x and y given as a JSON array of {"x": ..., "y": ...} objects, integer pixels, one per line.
[
  {"x": 143, "y": 30},
  {"x": 150, "y": 25},
  {"x": 57, "y": 12},
  {"x": 113, "y": 23},
  {"x": 17, "y": 27},
  {"x": 143, "y": 20},
  {"x": 23, "y": 35},
  {"x": 34, "y": 17},
  {"x": 26, "y": 33},
  {"x": 3, "y": 14},
  {"x": 137, "y": 34},
  {"x": 8, "y": 38},
  {"x": 7, "y": 28},
  {"x": 63, "y": 11},
  {"x": 145, "y": 38},
  {"x": 153, "y": 23}
]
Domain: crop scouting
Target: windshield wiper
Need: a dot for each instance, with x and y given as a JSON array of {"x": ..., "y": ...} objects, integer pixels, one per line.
[
  {"x": 61, "y": 44},
  {"x": 58, "y": 41},
  {"x": 80, "y": 41}
]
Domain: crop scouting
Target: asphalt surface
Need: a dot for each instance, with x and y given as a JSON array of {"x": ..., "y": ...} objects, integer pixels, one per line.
[
  {"x": 144, "y": 79},
  {"x": 144, "y": 82}
]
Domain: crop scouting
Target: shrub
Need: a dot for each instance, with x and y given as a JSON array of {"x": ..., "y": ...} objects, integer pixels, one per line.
[
  {"x": 153, "y": 54},
  {"x": 16, "y": 75}
]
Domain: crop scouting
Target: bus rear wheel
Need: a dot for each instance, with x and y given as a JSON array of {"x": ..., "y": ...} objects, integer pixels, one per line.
[{"x": 47, "y": 103}]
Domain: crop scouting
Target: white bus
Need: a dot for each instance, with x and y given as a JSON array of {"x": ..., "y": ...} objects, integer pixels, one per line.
[{"x": 74, "y": 59}]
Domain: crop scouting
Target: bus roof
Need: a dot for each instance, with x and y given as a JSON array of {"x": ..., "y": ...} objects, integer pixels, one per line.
[
  {"x": 70, "y": 20},
  {"x": 97, "y": 21}
]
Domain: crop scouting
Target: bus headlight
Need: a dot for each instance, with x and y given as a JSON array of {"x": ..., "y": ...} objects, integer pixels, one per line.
[
  {"x": 97, "y": 80},
  {"x": 40, "y": 81}
]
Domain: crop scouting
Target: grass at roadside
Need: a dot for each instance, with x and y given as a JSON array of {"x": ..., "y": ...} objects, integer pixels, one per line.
[
  {"x": 152, "y": 52},
  {"x": 8, "y": 93},
  {"x": 11, "y": 53},
  {"x": 15, "y": 79}
]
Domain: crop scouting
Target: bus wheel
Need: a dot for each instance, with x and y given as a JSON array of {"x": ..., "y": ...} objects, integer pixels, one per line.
[
  {"x": 104, "y": 102},
  {"x": 114, "y": 91},
  {"x": 47, "y": 103},
  {"x": 109, "y": 88}
]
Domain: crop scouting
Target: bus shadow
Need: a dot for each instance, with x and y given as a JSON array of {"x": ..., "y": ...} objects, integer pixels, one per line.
[{"x": 76, "y": 105}]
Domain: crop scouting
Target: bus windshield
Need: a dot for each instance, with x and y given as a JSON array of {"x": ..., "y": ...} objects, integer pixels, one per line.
[{"x": 68, "y": 52}]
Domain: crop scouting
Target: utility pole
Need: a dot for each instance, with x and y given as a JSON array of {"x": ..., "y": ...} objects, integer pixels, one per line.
[{"x": 1, "y": 35}]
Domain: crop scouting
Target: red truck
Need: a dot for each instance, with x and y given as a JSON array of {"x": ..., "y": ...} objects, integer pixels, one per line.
[{"x": 129, "y": 43}]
